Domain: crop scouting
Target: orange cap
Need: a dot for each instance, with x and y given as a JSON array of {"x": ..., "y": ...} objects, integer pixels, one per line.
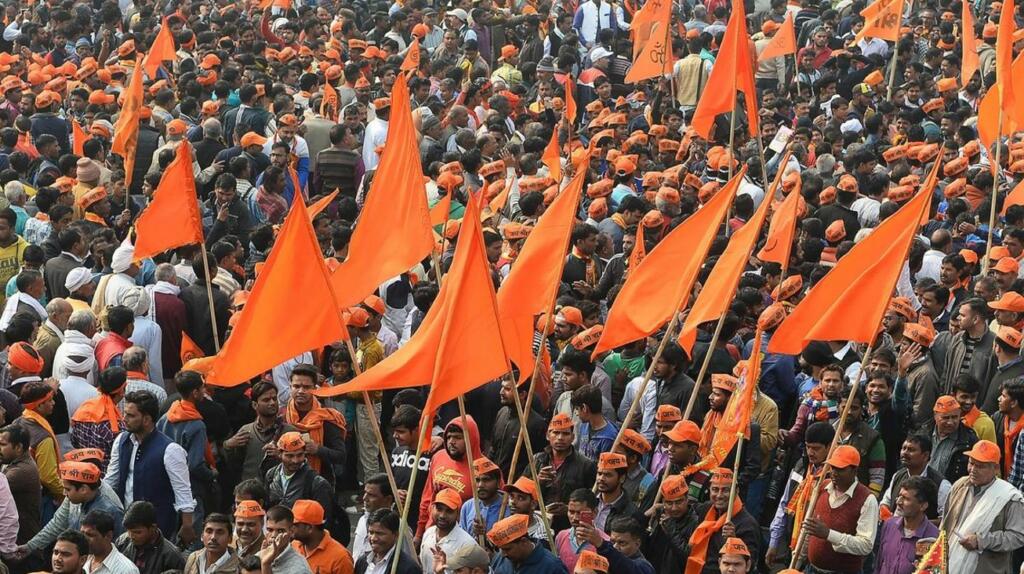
[
  {"x": 308, "y": 512},
  {"x": 523, "y": 485},
  {"x": 1009, "y": 335},
  {"x": 902, "y": 306},
  {"x": 249, "y": 509},
  {"x": 735, "y": 546},
  {"x": 376, "y": 303},
  {"x": 844, "y": 456},
  {"x": 945, "y": 405},
  {"x": 600, "y": 188},
  {"x": 668, "y": 414},
  {"x": 772, "y": 316},
  {"x": 635, "y": 442},
  {"x": 1007, "y": 265},
  {"x": 357, "y": 317},
  {"x": 874, "y": 78},
  {"x": 946, "y": 85},
  {"x": 591, "y": 561},
  {"x": 587, "y": 337},
  {"x": 79, "y": 472},
  {"x": 789, "y": 287},
  {"x": 674, "y": 487},
  {"x": 684, "y": 431},
  {"x": 176, "y": 127},
  {"x": 998, "y": 252},
  {"x": 448, "y": 497},
  {"x": 1010, "y": 301},
  {"x": 84, "y": 454},
  {"x": 721, "y": 476},
  {"x": 836, "y": 231},
  {"x": 724, "y": 382},
  {"x": 484, "y": 465},
  {"x": 611, "y": 461},
  {"x": 560, "y": 422},
  {"x": 984, "y": 451},
  {"x": 509, "y": 529},
  {"x": 291, "y": 442},
  {"x": 571, "y": 315},
  {"x": 919, "y": 334},
  {"x": 969, "y": 256}
]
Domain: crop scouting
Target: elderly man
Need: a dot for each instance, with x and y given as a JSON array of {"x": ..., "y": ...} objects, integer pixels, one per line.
[
  {"x": 136, "y": 362},
  {"x": 146, "y": 333},
  {"x": 76, "y": 344},
  {"x": 51, "y": 333},
  {"x": 984, "y": 516},
  {"x": 113, "y": 289},
  {"x": 80, "y": 289}
]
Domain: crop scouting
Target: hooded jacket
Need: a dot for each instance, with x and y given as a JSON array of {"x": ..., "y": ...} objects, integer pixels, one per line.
[{"x": 446, "y": 472}]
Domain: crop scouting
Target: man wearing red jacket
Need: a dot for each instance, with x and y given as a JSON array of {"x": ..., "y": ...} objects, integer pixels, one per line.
[{"x": 449, "y": 468}]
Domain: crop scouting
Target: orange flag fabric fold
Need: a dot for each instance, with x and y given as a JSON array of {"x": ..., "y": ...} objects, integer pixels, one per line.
[
  {"x": 641, "y": 28},
  {"x": 969, "y": 59},
  {"x": 782, "y": 43},
  {"x": 161, "y": 51},
  {"x": 330, "y": 100},
  {"x": 552, "y": 157},
  {"x": 463, "y": 317},
  {"x": 533, "y": 282},
  {"x": 1005, "y": 84},
  {"x": 126, "y": 130},
  {"x": 570, "y": 99},
  {"x": 660, "y": 285},
  {"x": 189, "y": 349},
  {"x": 321, "y": 204},
  {"x": 78, "y": 138},
  {"x": 779, "y": 243},
  {"x": 719, "y": 289},
  {"x": 654, "y": 58},
  {"x": 989, "y": 110},
  {"x": 411, "y": 63},
  {"x": 393, "y": 233},
  {"x": 882, "y": 20},
  {"x": 274, "y": 326},
  {"x": 441, "y": 210},
  {"x": 1015, "y": 197},
  {"x": 848, "y": 303},
  {"x": 733, "y": 71},
  {"x": 172, "y": 219}
]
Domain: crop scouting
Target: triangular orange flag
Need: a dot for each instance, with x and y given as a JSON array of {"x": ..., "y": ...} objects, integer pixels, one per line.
[
  {"x": 639, "y": 252},
  {"x": 499, "y": 201},
  {"x": 329, "y": 101},
  {"x": 161, "y": 51},
  {"x": 779, "y": 242},
  {"x": 570, "y": 99},
  {"x": 321, "y": 204},
  {"x": 393, "y": 233},
  {"x": 882, "y": 20},
  {"x": 78, "y": 137},
  {"x": 441, "y": 210},
  {"x": 273, "y": 327},
  {"x": 720, "y": 287},
  {"x": 1015, "y": 197},
  {"x": 654, "y": 59},
  {"x": 848, "y": 303},
  {"x": 1005, "y": 83},
  {"x": 552, "y": 157},
  {"x": 733, "y": 71},
  {"x": 641, "y": 28},
  {"x": 172, "y": 219},
  {"x": 988, "y": 109},
  {"x": 969, "y": 59},
  {"x": 533, "y": 282},
  {"x": 782, "y": 43},
  {"x": 411, "y": 63},
  {"x": 126, "y": 130},
  {"x": 189, "y": 349},
  {"x": 464, "y": 316},
  {"x": 660, "y": 285}
]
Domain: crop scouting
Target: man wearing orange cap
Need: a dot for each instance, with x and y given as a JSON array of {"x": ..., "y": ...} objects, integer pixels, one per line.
[
  {"x": 984, "y": 517},
  {"x": 561, "y": 469},
  {"x": 613, "y": 500},
  {"x": 445, "y": 533},
  {"x": 668, "y": 545},
  {"x": 325, "y": 427},
  {"x": 722, "y": 388},
  {"x": 950, "y": 439},
  {"x": 517, "y": 552},
  {"x": 314, "y": 543},
  {"x": 709, "y": 538},
  {"x": 293, "y": 479}
]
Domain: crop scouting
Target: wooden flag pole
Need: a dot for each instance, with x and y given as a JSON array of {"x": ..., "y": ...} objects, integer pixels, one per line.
[
  {"x": 736, "y": 471},
  {"x": 371, "y": 414},
  {"x": 404, "y": 524},
  {"x": 209, "y": 298},
  {"x": 533, "y": 470},
  {"x": 796, "y": 74},
  {"x": 892, "y": 70},
  {"x": 471, "y": 459},
  {"x": 995, "y": 193},
  {"x": 816, "y": 491},
  {"x": 705, "y": 364}
]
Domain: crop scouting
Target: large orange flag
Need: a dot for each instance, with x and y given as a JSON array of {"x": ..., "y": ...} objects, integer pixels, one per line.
[
  {"x": 291, "y": 309},
  {"x": 78, "y": 138},
  {"x": 551, "y": 157},
  {"x": 1005, "y": 84},
  {"x": 654, "y": 59},
  {"x": 848, "y": 303},
  {"x": 660, "y": 285},
  {"x": 1015, "y": 197},
  {"x": 989, "y": 110},
  {"x": 643, "y": 21},
  {"x": 533, "y": 282},
  {"x": 393, "y": 232},
  {"x": 189, "y": 349},
  {"x": 172, "y": 219},
  {"x": 411, "y": 63},
  {"x": 882, "y": 20},
  {"x": 464, "y": 316},
  {"x": 782, "y": 43},
  {"x": 161, "y": 51},
  {"x": 718, "y": 290},
  {"x": 969, "y": 60},
  {"x": 733, "y": 71},
  {"x": 126, "y": 130}
]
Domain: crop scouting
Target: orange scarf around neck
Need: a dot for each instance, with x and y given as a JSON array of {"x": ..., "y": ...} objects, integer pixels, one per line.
[
  {"x": 1009, "y": 441},
  {"x": 184, "y": 411},
  {"x": 798, "y": 501},
  {"x": 100, "y": 409},
  {"x": 707, "y": 432},
  {"x": 701, "y": 538},
  {"x": 313, "y": 425},
  {"x": 41, "y": 421}
]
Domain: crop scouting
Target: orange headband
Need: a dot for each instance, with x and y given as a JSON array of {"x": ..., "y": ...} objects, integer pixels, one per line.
[{"x": 32, "y": 405}]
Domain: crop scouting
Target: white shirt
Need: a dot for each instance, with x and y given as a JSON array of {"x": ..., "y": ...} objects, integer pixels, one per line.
[
  {"x": 931, "y": 264},
  {"x": 455, "y": 540},
  {"x": 867, "y": 211},
  {"x": 175, "y": 463},
  {"x": 861, "y": 543},
  {"x": 118, "y": 287},
  {"x": 748, "y": 187},
  {"x": 375, "y": 135},
  {"x": 76, "y": 391},
  {"x": 360, "y": 545},
  {"x": 203, "y": 567},
  {"x": 380, "y": 567},
  {"x": 598, "y": 17},
  {"x": 149, "y": 336},
  {"x": 185, "y": 273},
  {"x": 388, "y": 339},
  {"x": 114, "y": 563},
  {"x": 648, "y": 406}
]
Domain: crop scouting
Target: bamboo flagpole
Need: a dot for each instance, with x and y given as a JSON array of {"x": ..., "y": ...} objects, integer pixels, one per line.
[
  {"x": 209, "y": 298},
  {"x": 404, "y": 524},
  {"x": 471, "y": 459},
  {"x": 996, "y": 172}
]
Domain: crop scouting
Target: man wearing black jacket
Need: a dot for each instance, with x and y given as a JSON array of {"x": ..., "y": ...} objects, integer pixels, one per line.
[
  {"x": 382, "y": 534},
  {"x": 572, "y": 471},
  {"x": 668, "y": 545},
  {"x": 197, "y": 309},
  {"x": 506, "y": 429}
]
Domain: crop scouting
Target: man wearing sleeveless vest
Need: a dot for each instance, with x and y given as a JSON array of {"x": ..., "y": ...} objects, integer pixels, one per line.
[{"x": 845, "y": 519}]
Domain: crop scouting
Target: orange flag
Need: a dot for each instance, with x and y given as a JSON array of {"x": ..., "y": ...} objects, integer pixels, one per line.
[
  {"x": 1015, "y": 197},
  {"x": 969, "y": 59},
  {"x": 411, "y": 63},
  {"x": 782, "y": 43},
  {"x": 464, "y": 316},
  {"x": 126, "y": 130},
  {"x": 499, "y": 201},
  {"x": 882, "y": 20},
  {"x": 535, "y": 277},
  {"x": 78, "y": 138},
  {"x": 393, "y": 233},
  {"x": 172, "y": 219},
  {"x": 641, "y": 28},
  {"x": 719, "y": 289},
  {"x": 735, "y": 419},
  {"x": 654, "y": 58},
  {"x": 1005, "y": 83},
  {"x": 779, "y": 242},
  {"x": 639, "y": 252},
  {"x": 330, "y": 100},
  {"x": 733, "y": 71},
  {"x": 660, "y": 285},
  {"x": 161, "y": 51},
  {"x": 988, "y": 109},
  {"x": 321, "y": 204},
  {"x": 551, "y": 157},
  {"x": 189, "y": 349},
  {"x": 273, "y": 326},
  {"x": 570, "y": 99},
  {"x": 441, "y": 210},
  {"x": 848, "y": 303}
]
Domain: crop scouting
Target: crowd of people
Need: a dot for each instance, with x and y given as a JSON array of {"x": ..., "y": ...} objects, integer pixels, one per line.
[{"x": 118, "y": 457}]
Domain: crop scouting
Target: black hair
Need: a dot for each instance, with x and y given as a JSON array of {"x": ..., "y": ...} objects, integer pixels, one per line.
[
  {"x": 146, "y": 402},
  {"x": 112, "y": 379},
  {"x": 187, "y": 382},
  {"x": 381, "y": 480},
  {"x": 385, "y": 517},
  {"x": 119, "y": 318},
  {"x": 140, "y": 513},
  {"x": 923, "y": 441},
  {"x": 100, "y": 520},
  {"x": 406, "y": 416},
  {"x": 820, "y": 432},
  {"x": 584, "y": 496},
  {"x": 251, "y": 489},
  {"x": 17, "y": 435},
  {"x": 78, "y": 539},
  {"x": 588, "y": 396}
]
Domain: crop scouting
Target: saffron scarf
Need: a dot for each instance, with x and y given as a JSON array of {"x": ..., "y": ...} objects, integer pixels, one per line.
[
  {"x": 100, "y": 409},
  {"x": 184, "y": 411},
  {"x": 1009, "y": 441},
  {"x": 972, "y": 417},
  {"x": 90, "y": 216},
  {"x": 313, "y": 424},
  {"x": 30, "y": 413},
  {"x": 798, "y": 501},
  {"x": 591, "y": 272},
  {"x": 707, "y": 432},
  {"x": 701, "y": 537}
]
